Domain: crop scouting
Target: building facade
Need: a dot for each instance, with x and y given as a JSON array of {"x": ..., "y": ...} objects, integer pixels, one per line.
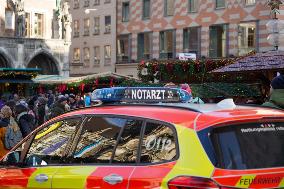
[
  {"x": 93, "y": 48},
  {"x": 160, "y": 29},
  {"x": 35, "y": 34}
]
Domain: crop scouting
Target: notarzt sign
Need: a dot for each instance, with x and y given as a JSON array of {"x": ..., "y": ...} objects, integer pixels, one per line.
[{"x": 154, "y": 94}]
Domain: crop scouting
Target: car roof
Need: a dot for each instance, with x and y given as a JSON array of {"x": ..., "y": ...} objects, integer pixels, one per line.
[{"x": 197, "y": 116}]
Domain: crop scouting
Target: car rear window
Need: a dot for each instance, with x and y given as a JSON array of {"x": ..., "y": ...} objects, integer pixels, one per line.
[{"x": 249, "y": 146}]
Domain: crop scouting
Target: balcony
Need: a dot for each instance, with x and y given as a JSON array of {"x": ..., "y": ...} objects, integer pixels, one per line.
[
  {"x": 107, "y": 29},
  {"x": 87, "y": 32},
  {"x": 96, "y": 31}
]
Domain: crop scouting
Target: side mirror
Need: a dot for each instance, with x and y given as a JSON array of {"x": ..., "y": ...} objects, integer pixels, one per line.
[{"x": 12, "y": 159}]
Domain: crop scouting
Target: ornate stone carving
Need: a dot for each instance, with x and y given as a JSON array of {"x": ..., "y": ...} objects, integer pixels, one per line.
[{"x": 20, "y": 21}]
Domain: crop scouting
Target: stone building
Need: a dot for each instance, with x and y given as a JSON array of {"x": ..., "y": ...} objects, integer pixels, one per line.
[
  {"x": 160, "y": 29},
  {"x": 35, "y": 34},
  {"x": 93, "y": 48}
]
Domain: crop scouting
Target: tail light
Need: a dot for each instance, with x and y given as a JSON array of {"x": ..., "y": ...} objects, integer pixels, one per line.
[{"x": 184, "y": 182}]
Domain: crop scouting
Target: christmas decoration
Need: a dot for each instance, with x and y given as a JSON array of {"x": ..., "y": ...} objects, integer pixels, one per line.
[{"x": 180, "y": 71}]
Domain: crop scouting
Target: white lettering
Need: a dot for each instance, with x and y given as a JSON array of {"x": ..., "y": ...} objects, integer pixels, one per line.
[
  {"x": 163, "y": 93},
  {"x": 158, "y": 95},
  {"x": 153, "y": 94},
  {"x": 139, "y": 94},
  {"x": 133, "y": 92},
  {"x": 148, "y": 95},
  {"x": 168, "y": 145},
  {"x": 144, "y": 93},
  {"x": 151, "y": 143}
]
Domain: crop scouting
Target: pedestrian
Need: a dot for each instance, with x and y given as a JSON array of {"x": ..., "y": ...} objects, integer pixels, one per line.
[
  {"x": 4, "y": 122},
  {"x": 13, "y": 133},
  {"x": 42, "y": 109},
  {"x": 51, "y": 99},
  {"x": 276, "y": 93},
  {"x": 25, "y": 121},
  {"x": 11, "y": 104},
  {"x": 88, "y": 99},
  {"x": 72, "y": 102},
  {"x": 59, "y": 107},
  {"x": 81, "y": 104}
]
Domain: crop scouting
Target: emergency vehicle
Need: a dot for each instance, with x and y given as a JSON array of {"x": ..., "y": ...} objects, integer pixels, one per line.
[{"x": 164, "y": 142}]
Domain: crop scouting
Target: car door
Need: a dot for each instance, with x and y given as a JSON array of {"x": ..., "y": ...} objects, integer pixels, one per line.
[
  {"x": 159, "y": 152},
  {"x": 100, "y": 155},
  {"x": 41, "y": 157}
]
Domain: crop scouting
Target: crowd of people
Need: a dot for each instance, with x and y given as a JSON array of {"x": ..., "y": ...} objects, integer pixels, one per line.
[{"x": 20, "y": 116}]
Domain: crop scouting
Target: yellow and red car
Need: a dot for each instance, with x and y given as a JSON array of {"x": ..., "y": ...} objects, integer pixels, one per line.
[{"x": 151, "y": 146}]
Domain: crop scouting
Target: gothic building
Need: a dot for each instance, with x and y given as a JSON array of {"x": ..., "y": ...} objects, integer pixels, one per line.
[{"x": 35, "y": 34}]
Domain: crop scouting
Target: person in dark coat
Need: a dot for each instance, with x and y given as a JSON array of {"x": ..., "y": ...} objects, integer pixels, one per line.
[
  {"x": 41, "y": 108},
  {"x": 25, "y": 121},
  {"x": 72, "y": 102},
  {"x": 59, "y": 107}
]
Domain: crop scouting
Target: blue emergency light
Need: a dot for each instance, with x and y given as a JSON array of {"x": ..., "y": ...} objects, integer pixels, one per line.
[{"x": 141, "y": 95}]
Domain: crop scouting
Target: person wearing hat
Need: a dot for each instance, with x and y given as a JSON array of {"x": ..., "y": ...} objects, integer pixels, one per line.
[
  {"x": 276, "y": 93},
  {"x": 59, "y": 107}
]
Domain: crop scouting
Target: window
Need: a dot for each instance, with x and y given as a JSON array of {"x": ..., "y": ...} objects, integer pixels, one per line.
[
  {"x": 250, "y": 2},
  {"x": 123, "y": 48},
  {"x": 247, "y": 38},
  {"x": 98, "y": 139},
  {"x": 107, "y": 54},
  {"x": 38, "y": 25},
  {"x": 9, "y": 19},
  {"x": 125, "y": 11},
  {"x": 86, "y": 3},
  {"x": 107, "y": 1},
  {"x": 76, "y": 55},
  {"x": 107, "y": 24},
  {"x": 220, "y": 4},
  {"x": 86, "y": 27},
  {"x": 97, "y": 55},
  {"x": 192, "y": 5},
  {"x": 97, "y": 2},
  {"x": 51, "y": 144},
  {"x": 146, "y": 9},
  {"x": 86, "y": 54},
  {"x": 237, "y": 146},
  {"x": 218, "y": 41},
  {"x": 28, "y": 25},
  {"x": 76, "y": 28},
  {"x": 76, "y": 4},
  {"x": 167, "y": 44},
  {"x": 127, "y": 148},
  {"x": 191, "y": 40},
  {"x": 169, "y": 7},
  {"x": 97, "y": 25},
  {"x": 144, "y": 46},
  {"x": 159, "y": 144}
]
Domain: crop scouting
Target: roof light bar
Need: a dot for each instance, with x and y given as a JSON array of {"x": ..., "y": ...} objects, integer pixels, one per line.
[{"x": 141, "y": 94}]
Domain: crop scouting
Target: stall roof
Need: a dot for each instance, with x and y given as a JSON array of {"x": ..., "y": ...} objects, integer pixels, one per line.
[
  {"x": 20, "y": 69},
  {"x": 57, "y": 79},
  {"x": 272, "y": 60}
]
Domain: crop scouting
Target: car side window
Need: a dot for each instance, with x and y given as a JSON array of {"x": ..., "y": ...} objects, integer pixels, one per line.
[
  {"x": 51, "y": 143},
  {"x": 159, "y": 144},
  {"x": 98, "y": 139},
  {"x": 127, "y": 148}
]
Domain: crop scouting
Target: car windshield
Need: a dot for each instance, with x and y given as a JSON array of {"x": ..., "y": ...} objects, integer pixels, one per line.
[{"x": 249, "y": 146}]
